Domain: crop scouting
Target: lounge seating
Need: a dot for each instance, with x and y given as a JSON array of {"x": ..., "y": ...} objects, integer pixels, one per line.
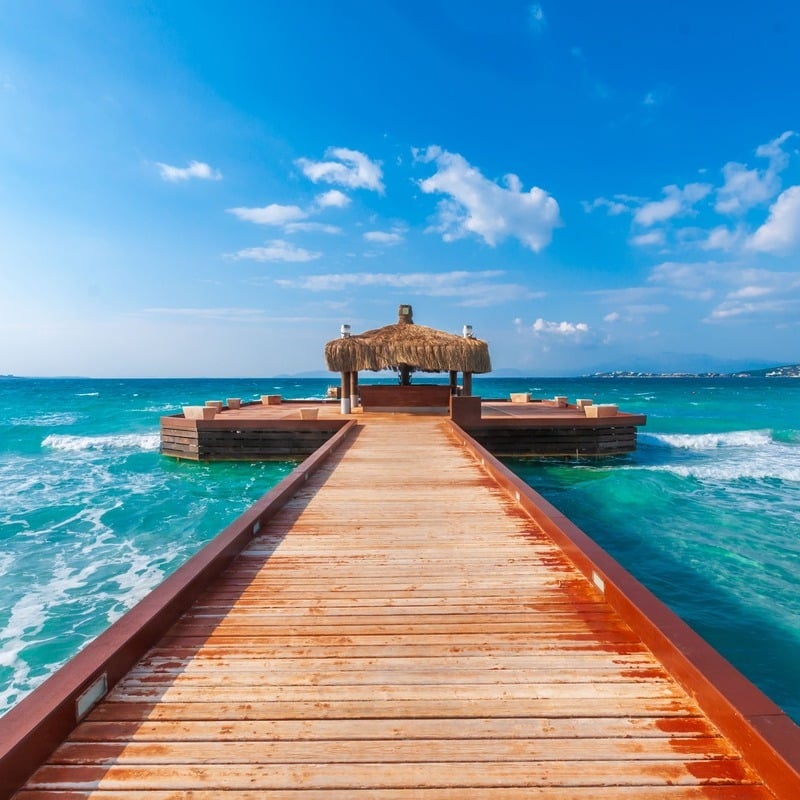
[
  {"x": 602, "y": 410},
  {"x": 199, "y": 412}
]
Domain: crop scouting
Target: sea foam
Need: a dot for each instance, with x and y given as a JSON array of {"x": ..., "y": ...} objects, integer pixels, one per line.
[
  {"x": 127, "y": 441},
  {"x": 707, "y": 441}
]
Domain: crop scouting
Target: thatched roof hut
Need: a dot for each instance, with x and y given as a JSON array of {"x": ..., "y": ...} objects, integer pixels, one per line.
[{"x": 405, "y": 345}]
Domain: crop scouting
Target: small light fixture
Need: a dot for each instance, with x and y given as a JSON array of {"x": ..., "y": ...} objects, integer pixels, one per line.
[
  {"x": 345, "y": 331},
  {"x": 467, "y": 331}
]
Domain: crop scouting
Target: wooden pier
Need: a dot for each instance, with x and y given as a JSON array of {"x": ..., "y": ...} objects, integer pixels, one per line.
[{"x": 405, "y": 619}]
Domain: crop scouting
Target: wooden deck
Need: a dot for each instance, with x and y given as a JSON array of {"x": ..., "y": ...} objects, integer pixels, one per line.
[
  {"x": 255, "y": 431},
  {"x": 400, "y": 629}
]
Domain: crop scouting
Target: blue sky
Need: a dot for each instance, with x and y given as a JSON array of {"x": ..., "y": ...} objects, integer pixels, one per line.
[{"x": 197, "y": 188}]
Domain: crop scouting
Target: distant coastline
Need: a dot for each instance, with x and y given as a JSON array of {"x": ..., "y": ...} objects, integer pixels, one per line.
[{"x": 787, "y": 371}]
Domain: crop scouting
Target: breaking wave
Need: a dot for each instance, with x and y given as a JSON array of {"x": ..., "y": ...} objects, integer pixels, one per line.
[{"x": 147, "y": 442}]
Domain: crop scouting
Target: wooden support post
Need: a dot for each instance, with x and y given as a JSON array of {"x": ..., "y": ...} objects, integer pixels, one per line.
[
  {"x": 453, "y": 382},
  {"x": 344, "y": 394},
  {"x": 467, "y": 384},
  {"x": 353, "y": 391}
]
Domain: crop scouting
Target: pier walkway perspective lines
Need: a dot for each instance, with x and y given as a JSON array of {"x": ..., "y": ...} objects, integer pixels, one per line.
[{"x": 400, "y": 629}]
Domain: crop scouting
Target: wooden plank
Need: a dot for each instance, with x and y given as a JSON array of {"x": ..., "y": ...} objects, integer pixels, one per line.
[
  {"x": 661, "y": 792},
  {"x": 455, "y": 774},
  {"x": 355, "y": 729}
]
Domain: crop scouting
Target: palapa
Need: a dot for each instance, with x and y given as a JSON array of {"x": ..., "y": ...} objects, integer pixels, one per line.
[{"x": 405, "y": 344}]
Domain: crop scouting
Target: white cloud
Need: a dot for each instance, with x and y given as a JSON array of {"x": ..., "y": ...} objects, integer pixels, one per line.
[
  {"x": 749, "y": 292},
  {"x": 744, "y": 291},
  {"x": 745, "y": 188},
  {"x": 277, "y": 250},
  {"x": 614, "y": 316},
  {"x": 774, "y": 152},
  {"x": 273, "y": 214},
  {"x": 678, "y": 202},
  {"x": 332, "y": 199},
  {"x": 732, "y": 307},
  {"x": 479, "y": 206},
  {"x": 196, "y": 169},
  {"x": 721, "y": 238},
  {"x": 570, "y": 330},
  {"x": 649, "y": 238},
  {"x": 781, "y": 232},
  {"x": 383, "y": 237},
  {"x": 619, "y": 205},
  {"x": 311, "y": 227},
  {"x": 351, "y": 169},
  {"x": 473, "y": 289}
]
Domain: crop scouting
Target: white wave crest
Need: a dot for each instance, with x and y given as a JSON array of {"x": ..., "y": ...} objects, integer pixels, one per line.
[
  {"x": 129, "y": 441},
  {"x": 727, "y": 471},
  {"x": 707, "y": 441}
]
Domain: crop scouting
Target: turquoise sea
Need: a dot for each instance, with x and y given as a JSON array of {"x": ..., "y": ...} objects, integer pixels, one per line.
[{"x": 706, "y": 513}]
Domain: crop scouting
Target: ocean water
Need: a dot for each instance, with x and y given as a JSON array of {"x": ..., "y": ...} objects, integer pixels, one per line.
[{"x": 706, "y": 513}]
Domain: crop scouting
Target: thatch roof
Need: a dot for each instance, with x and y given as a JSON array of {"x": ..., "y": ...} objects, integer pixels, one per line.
[{"x": 404, "y": 343}]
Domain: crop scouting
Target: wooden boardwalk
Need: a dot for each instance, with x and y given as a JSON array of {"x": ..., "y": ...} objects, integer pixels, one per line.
[{"x": 401, "y": 629}]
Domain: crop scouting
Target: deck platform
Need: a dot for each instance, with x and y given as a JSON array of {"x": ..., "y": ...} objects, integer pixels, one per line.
[
  {"x": 256, "y": 431},
  {"x": 408, "y": 625}
]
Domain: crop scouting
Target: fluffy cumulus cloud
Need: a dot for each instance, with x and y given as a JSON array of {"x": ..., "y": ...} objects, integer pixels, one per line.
[
  {"x": 277, "y": 250},
  {"x": 332, "y": 199},
  {"x": 273, "y": 214},
  {"x": 344, "y": 167},
  {"x": 196, "y": 169},
  {"x": 560, "y": 330},
  {"x": 745, "y": 188},
  {"x": 780, "y": 234},
  {"x": 479, "y": 206},
  {"x": 676, "y": 202}
]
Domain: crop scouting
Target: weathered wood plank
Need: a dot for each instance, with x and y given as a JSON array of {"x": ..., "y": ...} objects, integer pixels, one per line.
[
  {"x": 640, "y": 773},
  {"x": 652, "y": 792},
  {"x": 191, "y": 730},
  {"x": 389, "y": 751}
]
